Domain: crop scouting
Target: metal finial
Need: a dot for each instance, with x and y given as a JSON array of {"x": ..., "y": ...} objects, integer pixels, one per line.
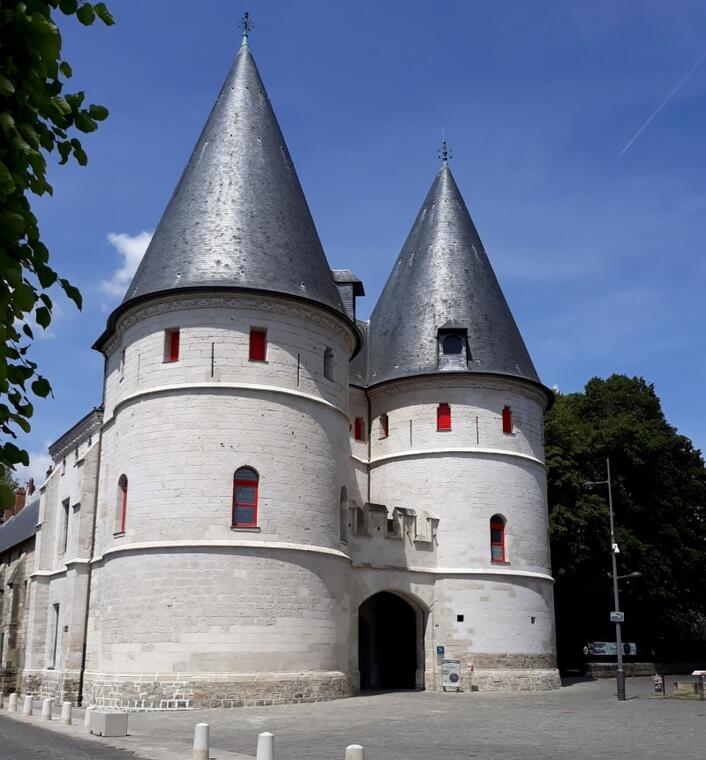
[
  {"x": 246, "y": 25},
  {"x": 445, "y": 153}
]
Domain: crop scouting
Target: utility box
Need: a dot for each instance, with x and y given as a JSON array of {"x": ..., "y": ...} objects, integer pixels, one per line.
[
  {"x": 108, "y": 723},
  {"x": 451, "y": 674}
]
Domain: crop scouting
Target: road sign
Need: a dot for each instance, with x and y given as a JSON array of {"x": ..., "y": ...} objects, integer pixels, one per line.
[
  {"x": 617, "y": 617},
  {"x": 609, "y": 648},
  {"x": 440, "y": 651}
]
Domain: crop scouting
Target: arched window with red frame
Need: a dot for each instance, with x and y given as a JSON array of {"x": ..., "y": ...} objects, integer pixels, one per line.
[
  {"x": 121, "y": 505},
  {"x": 245, "y": 488},
  {"x": 497, "y": 539}
]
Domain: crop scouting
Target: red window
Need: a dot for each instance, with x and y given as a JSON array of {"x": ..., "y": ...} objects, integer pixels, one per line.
[
  {"x": 245, "y": 487},
  {"x": 121, "y": 506},
  {"x": 384, "y": 425},
  {"x": 507, "y": 419},
  {"x": 258, "y": 345},
  {"x": 359, "y": 429},
  {"x": 497, "y": 538},
  {"x": 171, "y": 346},
  {"x": 443, "y": 417}
]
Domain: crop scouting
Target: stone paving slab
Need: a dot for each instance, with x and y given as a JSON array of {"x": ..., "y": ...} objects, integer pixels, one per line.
[{"x": 582, "y": 721}]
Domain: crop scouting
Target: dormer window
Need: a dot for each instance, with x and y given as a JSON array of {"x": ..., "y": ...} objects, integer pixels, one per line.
[{"x": 454, "y": 353}]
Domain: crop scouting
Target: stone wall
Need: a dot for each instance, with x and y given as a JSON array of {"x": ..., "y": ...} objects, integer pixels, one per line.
[{"x": 60, "y": 685}]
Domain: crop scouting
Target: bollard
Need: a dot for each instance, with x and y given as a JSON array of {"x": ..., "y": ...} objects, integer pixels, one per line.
[
  {"x": 265, "y": 746},
  {"x": 12, "y": 702},
  {"x": 2, "y": 700},
  {"x": 201, "y": 741},
  {"x": 87, "y": 718},
  {"x": 66, "y": 714},
  {"x": 46, "y": 709},
  {"x": 355, "y": 752},
  {"x": 27, "y": 706}
]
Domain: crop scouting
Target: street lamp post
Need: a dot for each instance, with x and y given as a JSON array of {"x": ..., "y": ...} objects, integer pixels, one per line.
[{"x": 620, "y": 676}]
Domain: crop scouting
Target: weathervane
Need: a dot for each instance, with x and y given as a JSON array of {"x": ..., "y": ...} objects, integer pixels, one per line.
[
  {"x": 445, "y": 153},
  {"x": 246, "y": 24}
]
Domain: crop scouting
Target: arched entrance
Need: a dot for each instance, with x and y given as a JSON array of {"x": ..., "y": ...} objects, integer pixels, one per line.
[{"x": 388, "y": 641}]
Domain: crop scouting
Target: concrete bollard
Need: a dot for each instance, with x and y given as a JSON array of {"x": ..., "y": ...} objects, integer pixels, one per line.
[
  {"x": 12, "y": 702},
  {"x": 355, "y": 752},
  {"x": 27, "y": 706},
  {"x": 87, "y": 718},
  {"x": 201, "y": 741},
  {"x": 66, "y": 714},
  {"x": 46, "y": 709},
  {"x": 265, "y": 746}
]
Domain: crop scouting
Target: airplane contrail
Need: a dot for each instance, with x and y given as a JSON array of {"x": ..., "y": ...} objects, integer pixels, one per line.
[{"x": 664, "y": 102}]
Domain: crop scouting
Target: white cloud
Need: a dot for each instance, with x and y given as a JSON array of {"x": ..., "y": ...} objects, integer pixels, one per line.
[
  {"x": 132, "y": 248},
  {"x": 39, "y": 462}
]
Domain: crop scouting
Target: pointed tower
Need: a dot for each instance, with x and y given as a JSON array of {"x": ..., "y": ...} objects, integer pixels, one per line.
[
  {"x": 456, "y": 447},
  {"x": 225, "y": 436}
]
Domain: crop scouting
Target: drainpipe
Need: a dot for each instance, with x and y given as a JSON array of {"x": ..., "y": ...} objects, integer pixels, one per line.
[{"x": 370, "y": 439}]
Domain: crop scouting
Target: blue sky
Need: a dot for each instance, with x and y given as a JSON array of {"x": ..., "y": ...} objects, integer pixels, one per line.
[{"x": 601, "y": 255}]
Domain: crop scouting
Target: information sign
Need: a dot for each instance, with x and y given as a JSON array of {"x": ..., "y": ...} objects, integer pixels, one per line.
[
  {"x": 617, "y": 617},
  {"x": 451, "y": 674},
  {"x": 609, "y": 648}
]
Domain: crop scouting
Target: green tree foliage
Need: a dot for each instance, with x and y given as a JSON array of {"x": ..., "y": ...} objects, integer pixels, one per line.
[
  {"x": 659, "y": 496},
  {"x": 37, "y": 118}
]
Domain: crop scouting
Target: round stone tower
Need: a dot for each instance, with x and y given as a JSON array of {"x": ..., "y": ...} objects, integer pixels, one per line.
[
  {"x": 218, "y": 577},
  {"x": 456, "y": 426}
]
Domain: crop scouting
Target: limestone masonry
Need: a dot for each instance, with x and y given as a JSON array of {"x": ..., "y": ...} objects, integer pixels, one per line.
[{"x": 277, "y": 502}]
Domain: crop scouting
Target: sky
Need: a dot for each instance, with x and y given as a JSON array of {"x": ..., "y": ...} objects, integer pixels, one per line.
[{"x": 597, "y": 238}]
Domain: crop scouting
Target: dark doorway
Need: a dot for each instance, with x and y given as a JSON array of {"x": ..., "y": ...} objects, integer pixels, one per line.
[{"x": 387, "y": 643}]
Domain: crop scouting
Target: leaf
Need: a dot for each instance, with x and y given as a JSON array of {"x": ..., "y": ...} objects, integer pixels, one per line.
[
  {"x": 14, "y": 455},
  {"x": 99, "y": 113},
  {"x": 68, "y": 7},
  {"x": 13, "y": 222},
  {"x": 104, "y": 14},
  {"x": 41, "y": 387},
  {"x": 80, "y": 155},
  {"x": 72, "y": 292},
  {"x": 42, "y": 316},
  {"x": 84, "y": 122},
  {"x": 65, "y": 69},
  {"x": 62, "y": 104},
  {"x": 6, "y": 86},
  {"x": 7, "y": 184},
  {"x": 27, "y": 330},
  {"x": 85, "y": 14}
]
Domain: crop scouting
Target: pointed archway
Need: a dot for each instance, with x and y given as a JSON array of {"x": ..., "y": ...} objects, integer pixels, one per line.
[{"x": 389, "y": 631}]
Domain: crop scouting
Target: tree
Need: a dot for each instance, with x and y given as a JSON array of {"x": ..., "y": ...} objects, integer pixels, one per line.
[
  {"x": 36, "y": 119},
  {"x": 659, "y": 495}
]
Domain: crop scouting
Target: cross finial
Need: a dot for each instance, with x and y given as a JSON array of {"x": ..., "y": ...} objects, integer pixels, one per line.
[
  {"x": 445, "y": 152},
  {"x": 246, "y": 25}
]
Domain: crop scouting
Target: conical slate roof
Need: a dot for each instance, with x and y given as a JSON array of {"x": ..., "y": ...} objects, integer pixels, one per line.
[
  {"x": 238, "y": 217},
  {"x": 443, "y": 279}
]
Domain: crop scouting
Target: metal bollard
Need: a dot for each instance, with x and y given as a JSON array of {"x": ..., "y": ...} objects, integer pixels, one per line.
[
  {"x": 12, "y": 702},
  {"x": 201, "y": 741},
  {"x": 355, "y": 752},
  {"x": 46, "y": 709},
  {"x": 87, "y": 718},
  {"x": 265, "y": 746},
  {"x": 66, "y": 714},
  {"x": 27, "y": 706}
]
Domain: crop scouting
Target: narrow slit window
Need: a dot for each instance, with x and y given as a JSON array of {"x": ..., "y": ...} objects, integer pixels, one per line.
[
  {"x": 497, "y": 538},
  {"x": 65, "y": 512},
  {"x": 171, "y": 345},
  {"x": 507, "y": 419},
  {"x": 384, "y": 426},
  {"x": 328, "y": 364},
  {"x": 343, "y": 515},
  {"x": 443, "y": 417},
  {"x": 258, "y": 344},
  {"x": 245, "y": 495},
  {"x": 359, "y": 429},
  {"x": 121, "y": 505}
]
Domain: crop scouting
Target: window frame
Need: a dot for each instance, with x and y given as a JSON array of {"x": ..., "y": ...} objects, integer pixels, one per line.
[
  {"x": 172, "y": 345},
  {"x": 359, "y": 429},
  {"x": 328, "y": 363},
  {"x": 507, "y": 420},
  {"x": 384, "y": 425},
  {"x": 247, "y": 482},
  {"x": 443, "y": 418},
  {"x": 121, "y": 506},
  {"x": 257, "y": 346},
  {"x": 498, "y": 522}
]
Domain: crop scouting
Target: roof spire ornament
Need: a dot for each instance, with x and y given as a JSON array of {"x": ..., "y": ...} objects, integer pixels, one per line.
[
  {"x": 445, "y": 153},
  {"x": 247, "y": 26}
]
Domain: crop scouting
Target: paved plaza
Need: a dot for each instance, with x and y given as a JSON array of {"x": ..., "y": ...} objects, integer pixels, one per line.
[{"x": 582, "y": 721}]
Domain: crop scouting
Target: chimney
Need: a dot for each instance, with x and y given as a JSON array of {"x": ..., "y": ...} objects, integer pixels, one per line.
[
  {"x": 30, "y": 486},
  {"x": 20, "y": 496}
]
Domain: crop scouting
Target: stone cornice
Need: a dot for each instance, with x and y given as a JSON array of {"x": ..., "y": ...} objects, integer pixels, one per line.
[
  {"x": 88, "y": 425},
  {"x": 462, "y": 450}
]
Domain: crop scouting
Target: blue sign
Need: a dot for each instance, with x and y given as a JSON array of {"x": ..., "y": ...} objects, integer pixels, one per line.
[{"x": 440, "y": 650}]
